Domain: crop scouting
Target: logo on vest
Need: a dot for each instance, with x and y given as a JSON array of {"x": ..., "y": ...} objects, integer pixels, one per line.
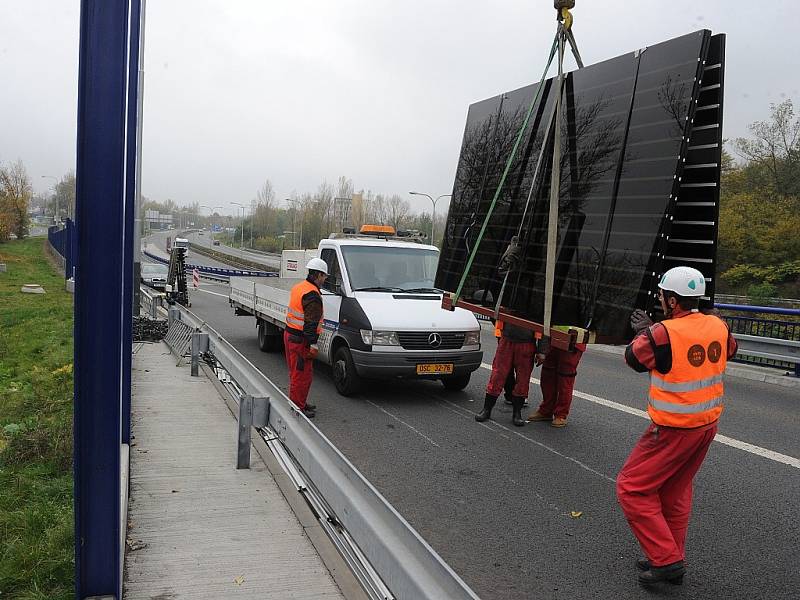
[
  {"x": 714, "y": 352},
  {"x": 697, "y": 355}
]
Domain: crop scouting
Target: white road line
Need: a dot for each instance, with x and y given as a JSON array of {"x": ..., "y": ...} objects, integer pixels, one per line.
[
  {"x": 546, "y": 447},
  {"x": 722, "y": 439},
  {"x": 209, "y": 292},
  {"x": 399, "y": 420}
]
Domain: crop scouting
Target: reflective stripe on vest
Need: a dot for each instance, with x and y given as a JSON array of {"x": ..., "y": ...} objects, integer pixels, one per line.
[
  {"x": 691, "y": 394},
  {"x": 689, "y": 386},
  {"x": 686, "y": 409},
  {"x": 295, "y": 315}
]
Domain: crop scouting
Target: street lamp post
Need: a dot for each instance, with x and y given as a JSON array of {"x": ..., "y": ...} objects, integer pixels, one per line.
[
  {"x": 212, "y": 209},
  {"x": 433, "y": 216},
  {"x": 55, "y": 196},
  {"x": 241, "y": 245}
]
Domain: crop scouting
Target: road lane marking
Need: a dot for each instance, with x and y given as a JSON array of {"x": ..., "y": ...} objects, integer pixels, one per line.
[
  {"x": 210, "y": 292},
  {"x": 399, "y": 420},
  {"x": 541, "y": 445},
  {"x": 722, "y": 439}
]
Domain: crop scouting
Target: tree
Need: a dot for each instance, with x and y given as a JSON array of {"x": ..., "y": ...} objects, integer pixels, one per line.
[
  {"x": 397, "y": 210},
  {"x": 773, "y": 153},
  {"x": 65, "y": 195},
  {"x": 15, "y": 196},
  {"x": 759, "y": 248}
]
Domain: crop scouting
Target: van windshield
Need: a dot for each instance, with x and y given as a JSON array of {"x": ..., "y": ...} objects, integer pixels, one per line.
[{"x": 392, "y": 268}]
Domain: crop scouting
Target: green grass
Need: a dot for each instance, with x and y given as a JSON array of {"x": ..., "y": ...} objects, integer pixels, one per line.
[{"x": 36, "y": 522}]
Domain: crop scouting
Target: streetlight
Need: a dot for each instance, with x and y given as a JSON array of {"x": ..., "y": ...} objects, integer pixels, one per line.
[
  {"x": 212, "y": 209},
  {"x": 293, "y": 203},
  {"x": 433, "y": 216},
  {"x": 55, "y": 196},
  {"x": 241, "y": 246}
]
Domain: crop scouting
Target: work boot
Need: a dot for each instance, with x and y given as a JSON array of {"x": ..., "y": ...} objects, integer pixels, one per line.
[
  {"x": 559, "y": 422},
  {"x": 672, "y": 573},
  {"x": 643, "y": 564},
  {"x": 309, "y": 412},
  {"x": 311, "y": 405},
  {"x": 537, "y": 416},
  {"x": 516, "y": 417},
  {"x": 488, "y": 405}
]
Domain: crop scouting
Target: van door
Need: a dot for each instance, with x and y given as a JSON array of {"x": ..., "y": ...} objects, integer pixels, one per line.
[{"x": 331, "y": 302}]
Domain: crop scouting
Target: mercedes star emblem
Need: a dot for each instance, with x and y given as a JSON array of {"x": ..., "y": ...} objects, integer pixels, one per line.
[{"x": 434, "y": 340}]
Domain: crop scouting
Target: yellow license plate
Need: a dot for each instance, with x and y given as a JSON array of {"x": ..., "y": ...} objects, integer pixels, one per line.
[{"x": 435, "y": 369}]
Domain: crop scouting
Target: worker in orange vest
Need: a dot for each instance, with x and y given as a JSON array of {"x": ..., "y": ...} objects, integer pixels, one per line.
[
  {"x": 686, "y": 354},
  {"x": 515, "y": 352},
  {"x": 303, "y": 327}
]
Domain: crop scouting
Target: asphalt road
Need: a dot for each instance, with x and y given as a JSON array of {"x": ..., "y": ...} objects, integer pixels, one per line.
[
  {"x": 498, "y": 502},
  {"x": 159, "y": 240},
  {"x": 205, "y": 240}
]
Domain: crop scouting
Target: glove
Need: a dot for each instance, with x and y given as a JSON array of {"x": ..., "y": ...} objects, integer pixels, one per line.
[
  {"x": 313, "y": 350},
  {"x": 640, "y": 321},
  {"x": 538, "y": 359}
]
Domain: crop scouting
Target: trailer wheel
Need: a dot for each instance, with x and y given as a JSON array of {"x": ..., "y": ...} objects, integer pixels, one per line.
[
  {"x": 455, "y": 383},
  {"x": 345, "y": 377},
  {"x": 269, "y": 337}
]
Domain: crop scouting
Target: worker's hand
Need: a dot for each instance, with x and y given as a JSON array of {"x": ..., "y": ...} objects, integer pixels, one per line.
[
  {"x": 313, "y": 350},
  {"x": 640, "y": 321},
  {"x": 538, "y": 359}
]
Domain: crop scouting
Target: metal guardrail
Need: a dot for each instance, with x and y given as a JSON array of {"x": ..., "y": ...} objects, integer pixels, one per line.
[
  {"x": 765, "y": 342},
  {"x": 220, "y": 272},
  {"x": 746, "y": 300},
  {"x": 387, "y": 544}
]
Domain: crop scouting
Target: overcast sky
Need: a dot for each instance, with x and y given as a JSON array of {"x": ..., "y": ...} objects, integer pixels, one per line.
[{"x": 377, "y": 90}]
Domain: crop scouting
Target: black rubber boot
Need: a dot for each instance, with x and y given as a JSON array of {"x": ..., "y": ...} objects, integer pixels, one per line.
[
  {"x": 643, "y": 564},
  {"x": 488, "y": 405},
  {"x": 668, "y": 573},
  {"x": 516, "y": 417}
]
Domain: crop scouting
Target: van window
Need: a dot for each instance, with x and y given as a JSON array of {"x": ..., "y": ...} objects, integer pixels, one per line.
[
  {"x": 334, "y": 280},
  {"x": 390, "y": 266}
]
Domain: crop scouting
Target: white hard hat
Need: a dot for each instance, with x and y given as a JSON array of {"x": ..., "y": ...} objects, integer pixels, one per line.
[
  {"x": 317, "y": 264},
  {"x": 684, "y": 281}
]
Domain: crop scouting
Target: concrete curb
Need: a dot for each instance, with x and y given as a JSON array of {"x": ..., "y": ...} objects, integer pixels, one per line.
[{"x": 753, "y": 373}]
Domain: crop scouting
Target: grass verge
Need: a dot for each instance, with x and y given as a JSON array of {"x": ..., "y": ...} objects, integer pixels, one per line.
[{"x": 36, "y": 522}]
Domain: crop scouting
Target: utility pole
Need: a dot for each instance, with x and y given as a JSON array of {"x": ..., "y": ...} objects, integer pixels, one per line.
[
  {"x": 433, "y": 216},
  {"x": 241, "y": 245}
]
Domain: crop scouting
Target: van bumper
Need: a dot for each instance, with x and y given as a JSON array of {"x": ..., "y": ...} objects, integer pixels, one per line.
[{"x": 379, "y": 365}]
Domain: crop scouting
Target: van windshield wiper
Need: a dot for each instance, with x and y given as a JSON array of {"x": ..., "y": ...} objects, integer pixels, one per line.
[
  {"x": 431, "y": 290},
  {"x": 379, "y": 289}
]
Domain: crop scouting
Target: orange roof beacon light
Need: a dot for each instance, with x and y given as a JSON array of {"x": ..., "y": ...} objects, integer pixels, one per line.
[{"x": 381, "y": 230}]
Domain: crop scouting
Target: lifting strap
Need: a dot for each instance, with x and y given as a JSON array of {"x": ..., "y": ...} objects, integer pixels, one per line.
[
  {"x": 512, "y": 257},
  {"x": 509, "y": 162}
]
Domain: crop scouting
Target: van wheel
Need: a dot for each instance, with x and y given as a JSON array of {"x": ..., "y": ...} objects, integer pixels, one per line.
[
  {"x": 455, "y": 383},
  {"x": 269, "y": 337},
  {"x": 345, "y": 378}
]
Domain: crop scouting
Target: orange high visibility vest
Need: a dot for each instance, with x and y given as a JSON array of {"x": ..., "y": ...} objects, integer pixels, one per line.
[
  {"x": 295, "y": 316},
  {"x": 498, "y": 328},
  {"x": 690, "y": 395}
]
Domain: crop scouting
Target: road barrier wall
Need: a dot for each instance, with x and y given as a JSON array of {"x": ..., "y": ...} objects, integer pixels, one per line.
[{"x": 62, "y": 241}]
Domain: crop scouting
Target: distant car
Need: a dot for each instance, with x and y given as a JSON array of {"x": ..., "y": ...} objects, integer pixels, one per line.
[
  {"x": 200, "y": 233},
  {"x": 154, "y": 275},
  {"x": 216, "y": 242}
]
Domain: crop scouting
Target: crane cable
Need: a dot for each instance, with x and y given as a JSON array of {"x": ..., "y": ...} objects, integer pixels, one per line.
[{"x": 565, "y": 24}]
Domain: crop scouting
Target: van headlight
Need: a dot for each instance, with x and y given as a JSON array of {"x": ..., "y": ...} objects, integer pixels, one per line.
[
  {"x": 472, "y": 338},
  {"x": 379, "y": 338}
]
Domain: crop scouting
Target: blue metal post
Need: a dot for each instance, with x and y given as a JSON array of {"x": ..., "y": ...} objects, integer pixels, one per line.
[
  {"x": 99, "y": 342},
  {"x": 129, "y": 234}
]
